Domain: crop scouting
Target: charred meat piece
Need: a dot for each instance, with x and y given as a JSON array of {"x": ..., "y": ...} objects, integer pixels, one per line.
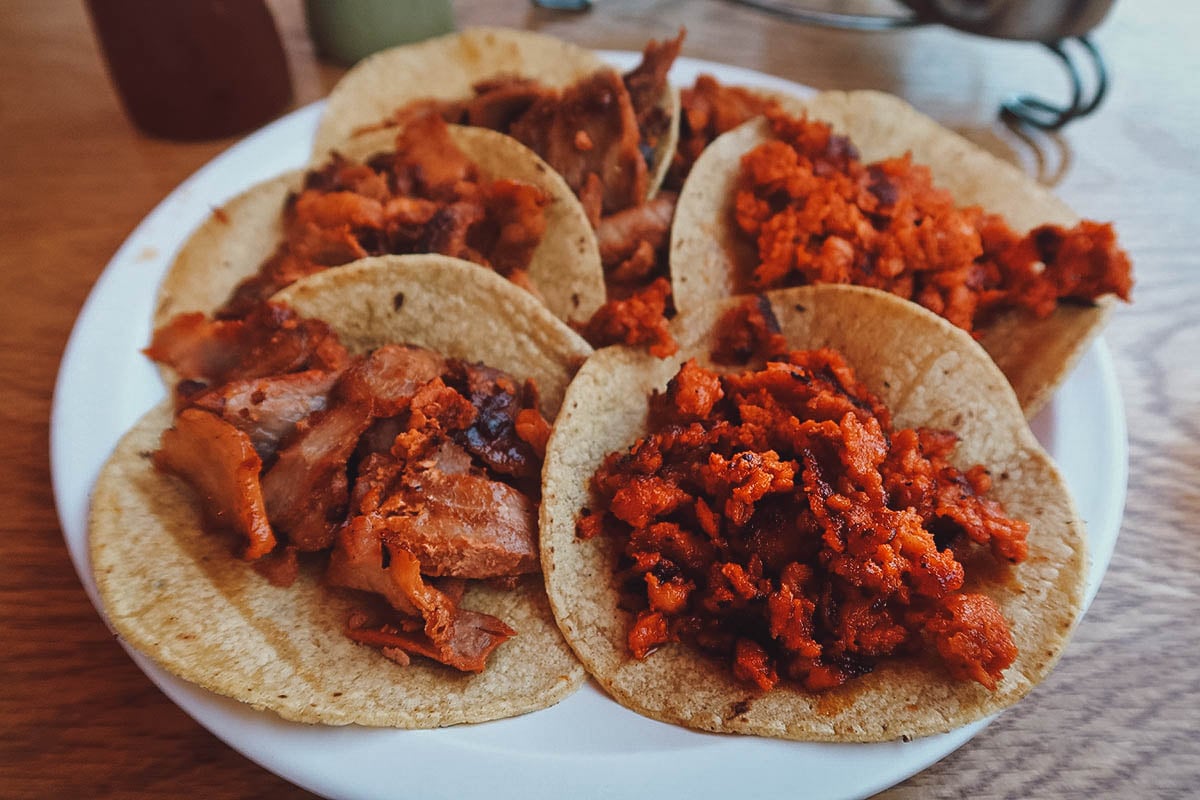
[
  {"x": 647, "y": 83},
  {"x": 268, "y": 409},
  {"x": 308, "y": 488},
  {"x": 493, "y": 436},
  {"x": 220, "y": 464},
  {"x": 391, "y": 375},
  {"x": 465, "y": 525},
  {"x": 271, "y": 340},
  {"x": 589, "y": 128}
]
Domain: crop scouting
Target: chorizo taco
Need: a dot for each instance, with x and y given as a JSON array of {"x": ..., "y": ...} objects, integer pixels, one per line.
[
  {"x": 719, "y": 556},
  {"x": 374, "y": 451},
  {"x": 611, "y": 136},
  {"x": 465, "y": 192},
  {"x": 867, "y": 190}
]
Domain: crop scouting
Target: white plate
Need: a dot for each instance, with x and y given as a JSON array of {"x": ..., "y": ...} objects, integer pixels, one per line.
[{"x": 587, "y": 745}]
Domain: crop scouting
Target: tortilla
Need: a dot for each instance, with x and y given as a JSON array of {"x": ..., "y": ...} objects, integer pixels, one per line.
[
  {"x": 448, "y": 67},
  {"x": 179, "y": 595},
  {"x": 672, "y": 105},
  {"x": 1035, "y": 355},
  {"x": 928, "y": 373},
  {"x": 238, "y": 238}
]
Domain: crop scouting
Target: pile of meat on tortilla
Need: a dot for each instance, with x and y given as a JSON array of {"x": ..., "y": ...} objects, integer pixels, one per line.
[
  {"x": 633, "y": 242},
  {"x": 426, "y": 196},
  {"x": 776, "y": 519},
  {"x": 817, "y": 214},
  {"x": 410, "y": 472},
  {"x": 600, "y": 134}
]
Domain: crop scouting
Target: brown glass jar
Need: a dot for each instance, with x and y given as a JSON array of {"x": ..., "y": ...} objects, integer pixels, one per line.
[{"x": 194, "y": 69}]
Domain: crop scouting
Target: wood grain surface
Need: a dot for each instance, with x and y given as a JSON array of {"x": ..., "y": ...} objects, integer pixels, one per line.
[{"x": 1118, "y": 718}]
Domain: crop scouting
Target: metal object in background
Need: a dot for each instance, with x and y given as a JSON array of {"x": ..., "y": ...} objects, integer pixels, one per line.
[
  {"x": 1049, "y": 116},
  {"x": 1053, "y": 23}
]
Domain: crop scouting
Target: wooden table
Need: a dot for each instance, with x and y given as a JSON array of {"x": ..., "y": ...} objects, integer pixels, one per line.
[{"x": 1117, "y": 718}]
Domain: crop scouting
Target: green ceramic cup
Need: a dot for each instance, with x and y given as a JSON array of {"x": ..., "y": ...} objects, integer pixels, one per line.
[{"x": 346, "y": 31}]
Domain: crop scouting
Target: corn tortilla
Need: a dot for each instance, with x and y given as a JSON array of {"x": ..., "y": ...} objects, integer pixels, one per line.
[
  {"x": 929, "y": 373},
  {"x": 448, "y": 67},
  {"x": 232, "y": 244},
  {"x": 707, "y": 257},
  {"x": 444, "y": 68},
  {"x": 180, "y": 596}
]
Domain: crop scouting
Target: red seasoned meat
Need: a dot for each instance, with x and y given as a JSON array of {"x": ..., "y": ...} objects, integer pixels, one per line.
[
  {"x": 590, "y": 128},
  {"x": 465, "y": 525},
  {"x": 307, "y": 487},
  {"x": 268, "y": 409},
  {"x": 219, "y": 462},
  {"x": 493, "y": 437},
  {"x": 619, "y": 234},
  {"x": 271, "y": 340}
]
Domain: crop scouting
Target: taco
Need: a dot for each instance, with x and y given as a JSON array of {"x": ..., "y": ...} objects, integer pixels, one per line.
[
  {"x": 512, "y": 213},
  {"x": 929, "y": 374},
  {"x": 610, "y": 136},
  {"x": 1035, "y": 300},
  {"x": 172, "y": 589}
]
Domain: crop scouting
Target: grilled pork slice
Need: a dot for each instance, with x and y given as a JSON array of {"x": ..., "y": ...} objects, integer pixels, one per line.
[
  {"x": 270, "y": 340},
  {"x": 457, "y": 637},
  {"x": 219, "y": 462},
  {"x": 307, "y": 488},
  {"x": 268, "y": 409},
  {"x": 589, "y": 128}
]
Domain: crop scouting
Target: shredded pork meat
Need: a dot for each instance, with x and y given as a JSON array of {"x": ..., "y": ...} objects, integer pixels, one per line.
[
  {"x": 402, "y": 464},
  {"x": 600, "y": 134},
  {"x": 425, "y": 197},
  {"x": 268, "y": 409},
  {"x": 219, "y": 461}
]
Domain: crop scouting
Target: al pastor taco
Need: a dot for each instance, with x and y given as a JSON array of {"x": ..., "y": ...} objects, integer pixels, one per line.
[
  {"x": 859, "y": 541},
  {"x": 370, "y": 441},
  {"x": 611, "y": 136},
  {"x": 469, "y": 193}
]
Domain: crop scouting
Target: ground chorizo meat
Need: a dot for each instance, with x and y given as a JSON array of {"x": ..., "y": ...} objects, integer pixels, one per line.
[
  {"x": 818, "y": 214},
  {"x": 775, "y": 519},
  {"x": 709, "y": 109},
  {"x": 640, "y": 319}
]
